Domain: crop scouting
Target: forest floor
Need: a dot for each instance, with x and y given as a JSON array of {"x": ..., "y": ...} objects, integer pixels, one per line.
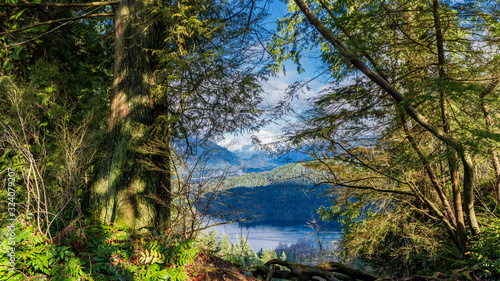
[{"x": 209, "y": 267}]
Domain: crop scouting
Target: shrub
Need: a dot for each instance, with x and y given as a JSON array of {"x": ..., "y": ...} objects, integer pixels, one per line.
[
  {"x": 109, "y": 253},
  {"x": 485, "y": 252}
]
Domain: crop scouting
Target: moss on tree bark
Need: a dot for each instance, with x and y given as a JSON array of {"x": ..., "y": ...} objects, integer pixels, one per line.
[{"x": 126, "y": 190}]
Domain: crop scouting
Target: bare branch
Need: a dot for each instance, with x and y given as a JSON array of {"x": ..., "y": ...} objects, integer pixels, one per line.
[
  {"x": 58, "y": 21},
  {"x": 372, "y": 188},
  {"x": 222, "y": 223},
  {"x": 68, "y": 5}
]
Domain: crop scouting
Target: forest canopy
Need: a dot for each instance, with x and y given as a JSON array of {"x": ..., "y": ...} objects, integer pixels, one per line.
[
  {"x": 410, "y": 117},
  {"x": 95, "y": 98}
]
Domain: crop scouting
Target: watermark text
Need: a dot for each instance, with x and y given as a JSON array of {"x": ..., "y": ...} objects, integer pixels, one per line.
[{"x": 12, "y": 218}]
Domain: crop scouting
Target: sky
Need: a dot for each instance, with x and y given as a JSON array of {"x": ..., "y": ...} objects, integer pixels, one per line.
[{"x": 275, "y": 89}]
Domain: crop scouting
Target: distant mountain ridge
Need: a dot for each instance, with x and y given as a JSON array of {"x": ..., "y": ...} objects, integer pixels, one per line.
[
  {"x": 242, "y": 161},
  {"x": 293, "y": 173},
  {"x": 263, "y": 187}
]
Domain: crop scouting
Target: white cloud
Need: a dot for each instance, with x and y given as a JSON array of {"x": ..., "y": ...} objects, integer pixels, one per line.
[
  {"x": 274, "y": 91},
  {"x": 244, "y": 142},
  {"x": 275, "y": 88}
]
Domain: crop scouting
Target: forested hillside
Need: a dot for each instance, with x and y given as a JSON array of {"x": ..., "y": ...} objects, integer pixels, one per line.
[
  {"x": 294, "y": 173},
  {"x": 109, "y": 111},
  {"x": 287, "y": 202},
  {"x": 286, "y": 193}
]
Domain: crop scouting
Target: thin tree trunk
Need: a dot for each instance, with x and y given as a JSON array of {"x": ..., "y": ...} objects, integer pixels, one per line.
[
  {"x": 164, "y": 189},
  {"x": 452, "y": 160},
  {"x": 489, "y": 121},
  {"x": 430, "y": 172}
]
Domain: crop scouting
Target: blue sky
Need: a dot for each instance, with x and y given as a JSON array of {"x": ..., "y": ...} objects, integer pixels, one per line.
[{"x": 275, "y": 89}]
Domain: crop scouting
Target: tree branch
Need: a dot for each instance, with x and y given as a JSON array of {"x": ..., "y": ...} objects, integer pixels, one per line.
[
  {"x": 376, "y": 78},
  {"x": 222, "y": 223},
  {"x": 353, "y": 40},
  {"x": 58, "y": 21},
  {"x": 372, "y": 188},
  {"x": 68, "y": 5},
  {"x": 430, "y": 172},
  {"x": 468, "y": 178}
]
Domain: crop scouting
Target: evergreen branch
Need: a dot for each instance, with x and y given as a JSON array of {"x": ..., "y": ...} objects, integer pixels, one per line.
[
  {"x": 58, "y": 21},
  {"x": 222, "y": 223},
  {"x": 66, "y": 5},
  {"x": 374, "y": 77},
  {"x": 352, "y": 39},
  {"x": 428, "y": 168},
  {"x": 363, "y": 163},
  {"x": 402, "y": 100},
  {"x": 37, "y": 37},
  {"x": 435, "y": 209}
]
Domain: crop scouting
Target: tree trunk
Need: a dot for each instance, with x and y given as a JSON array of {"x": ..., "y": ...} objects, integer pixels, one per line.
[
  {"x": 452, "y": 159},
  {"x": 125, "y": 187}
]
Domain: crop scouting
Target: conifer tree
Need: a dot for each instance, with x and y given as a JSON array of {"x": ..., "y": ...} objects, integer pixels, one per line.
[
  {"x": 181, "y": 70},
  {"x": 283, "y": 256},
  {"x": 226, "y": 247},
  {"x": 244, "y": 253},
  {"x": 267, "y": 255},
  {"x": 212, "y": 240}
]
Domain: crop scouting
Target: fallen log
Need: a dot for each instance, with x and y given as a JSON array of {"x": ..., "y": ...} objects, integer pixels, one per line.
[
  {"x": 345, "y": 270},
  {"x": 340, "y": 272},
  {"x": 303, "y": 272},
  {"x": 329, "y": 271}
]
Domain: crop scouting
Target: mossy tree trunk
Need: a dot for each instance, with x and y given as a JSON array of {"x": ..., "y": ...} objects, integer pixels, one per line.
[{"x": 127, "y": 190}]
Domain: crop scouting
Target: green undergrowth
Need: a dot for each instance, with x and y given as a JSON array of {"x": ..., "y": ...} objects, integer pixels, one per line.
[
  {"x": 485, "y": 252},
  {"x": 394, "y": 243},
  {"x": 96, "y": 253}
]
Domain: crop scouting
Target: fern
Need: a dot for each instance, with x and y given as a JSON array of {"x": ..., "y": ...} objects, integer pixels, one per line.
[
  {"x": 185, "y": 253},
  {"x": 151, "y": 256},
  {"x": 119, "y": 273},
  {"x": 154, "y": 273}
]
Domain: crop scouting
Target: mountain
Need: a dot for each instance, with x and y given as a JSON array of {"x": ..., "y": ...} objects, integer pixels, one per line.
[
  {"x": 247, "y": 151},
  {"x": 213, "y": 158},
  {"x": 284, "y": 194}
]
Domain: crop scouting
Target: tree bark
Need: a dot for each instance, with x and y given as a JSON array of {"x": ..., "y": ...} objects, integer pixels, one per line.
[
  {"x": 331, "y": 271},
  {"x": 125, "y": 189},
  {"x": 452, "y": 160},
  {"x": 302, "y": 272}
]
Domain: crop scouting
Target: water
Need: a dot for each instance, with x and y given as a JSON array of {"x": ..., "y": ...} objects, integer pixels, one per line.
[{"x": 268, "y": 235}]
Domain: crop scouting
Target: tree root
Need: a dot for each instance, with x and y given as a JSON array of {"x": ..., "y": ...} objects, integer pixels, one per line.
[
  {"x": 329, "y": 271},
  {"x": 332, "y": 271}
]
